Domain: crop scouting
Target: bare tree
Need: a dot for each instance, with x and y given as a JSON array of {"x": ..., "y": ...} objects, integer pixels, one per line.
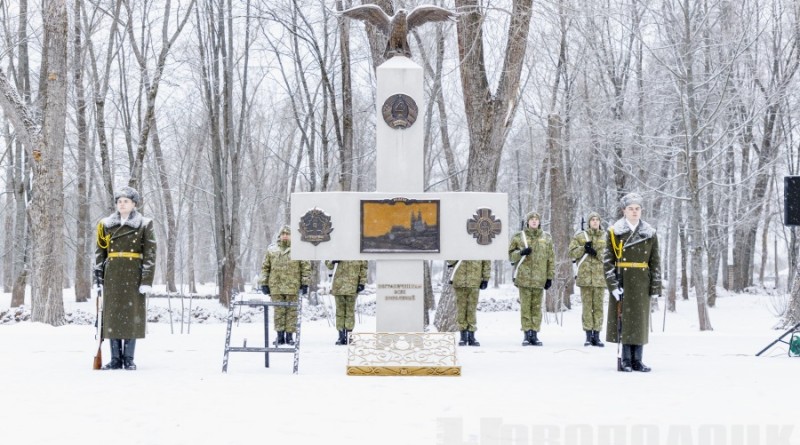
[
  {"x": 83, "y": 230},
  {"x": 490, "y": 114},
  {"x": 17, "y": 229},
  {"x": 44, "y": 140}
]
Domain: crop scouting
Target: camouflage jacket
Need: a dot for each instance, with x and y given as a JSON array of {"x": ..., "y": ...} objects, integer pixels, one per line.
[
  {"x": 283, "y": 275},
  {"x": 534, "y": 269},
  {"x": 590, "y": 269},
  {"x": 469, "y": 273},
  {"x": 348, "y": 275}
]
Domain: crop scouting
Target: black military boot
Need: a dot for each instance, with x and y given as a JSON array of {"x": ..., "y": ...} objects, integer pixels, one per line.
[
  {"x": 464, "y": 337},
  {"x": 528, "y": 339},
  {"x": 626, "y": 358},
  {"x": 535, "y": 339},
  {"x": 342, "y": 340},
  {"x": 596, "y": 340},
  {"x": 127, "y": 354},
  {"x": 116, "y": 354},
  {"x": 471, "y": 339},
  {"x": 289, "y": 339},
  {"x": 589, "y": 338},
  {"x": 279, "y": 339},
  {"x": 636, "y": 363}
]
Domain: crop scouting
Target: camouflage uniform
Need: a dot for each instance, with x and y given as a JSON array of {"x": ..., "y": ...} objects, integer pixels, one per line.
[
  {"x": 468, "y": 277},
  {"x": 532, "y": 273},
  {"x": 591, "y": 278},
  {"x": 349, "y": 277},
  {"x": 285, "y": 277}
]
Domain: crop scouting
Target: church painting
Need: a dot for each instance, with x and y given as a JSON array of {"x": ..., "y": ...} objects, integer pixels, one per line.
[{"x": 400, "y": 225}]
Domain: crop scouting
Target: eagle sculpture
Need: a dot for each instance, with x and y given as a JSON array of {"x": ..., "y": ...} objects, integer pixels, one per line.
[{"x": 397, "y": 26}]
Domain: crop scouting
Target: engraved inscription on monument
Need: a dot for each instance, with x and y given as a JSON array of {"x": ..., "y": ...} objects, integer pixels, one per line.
[{"x": 400, "y": 225}]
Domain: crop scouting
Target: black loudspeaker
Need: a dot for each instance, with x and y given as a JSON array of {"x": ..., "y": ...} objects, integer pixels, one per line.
[{"x": 791, "y": 200}]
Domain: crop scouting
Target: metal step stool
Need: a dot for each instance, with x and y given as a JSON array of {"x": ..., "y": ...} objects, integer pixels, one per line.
[{"x": 235, "y": 301}]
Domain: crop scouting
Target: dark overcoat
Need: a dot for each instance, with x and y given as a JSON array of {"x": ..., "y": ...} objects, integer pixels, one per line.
[
  {"x": 639, "y": 276},
  {"x": 126, "y": 253}
]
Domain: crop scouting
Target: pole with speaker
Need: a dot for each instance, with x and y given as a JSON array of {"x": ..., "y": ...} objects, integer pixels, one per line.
[
  {"x": 791, "y": 200},
  {"x": 791, "y": 217}
]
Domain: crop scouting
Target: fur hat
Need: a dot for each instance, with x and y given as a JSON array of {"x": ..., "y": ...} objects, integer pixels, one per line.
[
  {"x": 532, "y": 215},
  {"x": 286, "y": 230},
  {"x": 631, "y": 199},
  {"x": 593, "y": 215},
  {"x": 127, "y": 192}
]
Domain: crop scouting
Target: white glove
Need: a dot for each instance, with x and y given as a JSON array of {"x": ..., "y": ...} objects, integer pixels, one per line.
[
  {"x": 655, "y": 296},
  {"x": 145, "y": 289},
  {"x": 617, "y": 294}
]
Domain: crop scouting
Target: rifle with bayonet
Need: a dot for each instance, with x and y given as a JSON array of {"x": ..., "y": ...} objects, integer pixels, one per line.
[{"x": 98, "y": 323}]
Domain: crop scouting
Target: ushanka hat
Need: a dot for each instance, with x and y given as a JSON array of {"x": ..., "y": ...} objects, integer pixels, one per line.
[
  {"x": 631, "y": 199},
  {"x": 531, "y": 215},
  {"x": 127, "y": 192}
]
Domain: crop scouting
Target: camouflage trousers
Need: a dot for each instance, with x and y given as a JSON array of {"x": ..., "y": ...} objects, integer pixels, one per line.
[
  {"x": 285, "y": 317},
  {"x": 345, "y": 311},
  {"x": 530, "y": 302},
  {"x": 592, "y": 300},
  {"x": 466, "y": 308}
]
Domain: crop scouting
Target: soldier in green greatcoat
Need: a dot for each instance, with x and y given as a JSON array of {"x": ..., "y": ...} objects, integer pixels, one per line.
[
  {"x": 586, "y": 249},
  {"x": 125, "y": 263},
  {"x": 633, "y": 276},
  {"x": 349, "y": 278},
  {"x": 282, "y": 278},
  {"x": 532, "y": 255},
  {"x": 468, "y": 278}
]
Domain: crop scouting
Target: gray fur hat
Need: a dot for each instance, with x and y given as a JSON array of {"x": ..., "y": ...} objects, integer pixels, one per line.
[
  {"x": 127, "y": 192},
  {"x": 532, "y": 214},
  {"x": 284, "y": 229},
  {"x": 631, "y": 199},
  {"x": 593, "y": 215}
]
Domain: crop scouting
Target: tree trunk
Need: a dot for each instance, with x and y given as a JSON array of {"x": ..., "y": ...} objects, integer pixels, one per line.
[
  {"x": 46, "y": 144},
  {"x": 430, "y": 303},
  {"x": 346, "y": 149},
  {"x": 169, "y": 210},
  {"x": 672, "y": 261},
  {"x": 83, "y": 263},
  {"x": 489, "y": 115},
  {"x": 684, "y": 260},
  {"x": 559, "y": 216},
  {"x": 793, "y": 311},
  {"x": 695, "y": 208}
]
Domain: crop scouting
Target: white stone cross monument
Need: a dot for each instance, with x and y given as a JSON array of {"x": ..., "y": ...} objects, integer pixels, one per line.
[{"x": 399, "y": 225}]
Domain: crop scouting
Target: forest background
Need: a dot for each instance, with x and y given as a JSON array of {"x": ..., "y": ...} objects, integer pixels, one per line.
[{"x": 218, "y": 110}]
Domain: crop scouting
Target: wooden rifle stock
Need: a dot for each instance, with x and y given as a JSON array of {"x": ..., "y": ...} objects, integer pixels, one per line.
[
  {"x": 619, "y": 334},
  {"x": 98, "y": 358}
]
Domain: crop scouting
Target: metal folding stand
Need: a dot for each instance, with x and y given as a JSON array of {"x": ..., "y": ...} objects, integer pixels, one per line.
[
  {"x": 792, "y": 343},
  {"x": 266, "y": 349}
]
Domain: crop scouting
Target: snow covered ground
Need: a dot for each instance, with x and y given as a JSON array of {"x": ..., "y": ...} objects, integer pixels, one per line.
[{"x": 705, "y": 388}]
